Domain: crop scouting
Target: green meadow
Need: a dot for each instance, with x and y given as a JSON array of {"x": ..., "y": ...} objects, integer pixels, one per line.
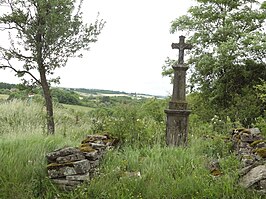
[{"x": 165, "y": 172}]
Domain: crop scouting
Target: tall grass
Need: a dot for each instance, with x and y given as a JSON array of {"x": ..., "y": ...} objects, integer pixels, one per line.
[
  {"x": 165, "y": 172},
  {"x": 24, "y": 143}
]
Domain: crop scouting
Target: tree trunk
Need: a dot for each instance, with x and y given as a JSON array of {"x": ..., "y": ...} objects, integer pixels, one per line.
[
  {"x": 42, "y": 71},
  {"x": 48, "y": 103}
]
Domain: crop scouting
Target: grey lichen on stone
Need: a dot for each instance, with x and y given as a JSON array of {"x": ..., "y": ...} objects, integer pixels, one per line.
[
  {"x": 94, "y": 163},
  {"x": 245, "y": 137},
  {"x": 61, "y": 172},
  {"x": 70, "y": 158},
  {"x": 82, "y": 166},
  {"x": 243, "y": 171},
  {"x": 61, "y": 153},
  {"x": 255, "y": 131},
  {"x": 97, "y": 146},
  {"x": 253, "y": 176},
  {"x": 94, "y": 155},
  {"x": 262, "y": 184}
]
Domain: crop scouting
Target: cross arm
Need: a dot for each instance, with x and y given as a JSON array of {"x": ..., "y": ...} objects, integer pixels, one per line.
[{"x": 182, "y": 46}]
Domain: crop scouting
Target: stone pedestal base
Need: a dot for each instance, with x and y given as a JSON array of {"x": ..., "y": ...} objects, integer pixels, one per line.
[{"x": 177, "y": 127}]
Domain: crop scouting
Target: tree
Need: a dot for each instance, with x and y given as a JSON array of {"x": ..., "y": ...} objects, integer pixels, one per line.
[
  {"x": 261, "y": 91},
  {"x": 229, "y": 47},
  {"x": 43, "y": 34},
  {"x": 65, "y": 96}
]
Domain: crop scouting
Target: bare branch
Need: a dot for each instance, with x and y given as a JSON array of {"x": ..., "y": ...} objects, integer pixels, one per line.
[{"x": 19, "y": 71}]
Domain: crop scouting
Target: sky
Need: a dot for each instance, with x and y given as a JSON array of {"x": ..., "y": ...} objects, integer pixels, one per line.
[{"x": 130, "y": 51}]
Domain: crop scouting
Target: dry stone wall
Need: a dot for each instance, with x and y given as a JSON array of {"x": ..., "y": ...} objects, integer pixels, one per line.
[
  {"x": 70, "y": 166},
  {"x": 250, "y": 146}
]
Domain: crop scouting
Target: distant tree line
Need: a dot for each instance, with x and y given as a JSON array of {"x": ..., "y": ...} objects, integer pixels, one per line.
[
  {"x": 7, "y": 86},
  {"x": 96, "y": 91},
  {"x": 66, "y": 96}
]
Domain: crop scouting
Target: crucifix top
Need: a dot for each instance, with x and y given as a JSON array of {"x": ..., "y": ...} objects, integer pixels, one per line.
[{"x": 182, "y": 46}]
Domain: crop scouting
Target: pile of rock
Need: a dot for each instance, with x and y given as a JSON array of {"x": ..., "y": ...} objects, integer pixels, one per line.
[
  {"x": 70, "y": 166},
  {"x": 250, "y": 146}
]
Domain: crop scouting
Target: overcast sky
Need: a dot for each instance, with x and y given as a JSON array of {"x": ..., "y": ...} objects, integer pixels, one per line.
[{"x": 131, "y": 48}]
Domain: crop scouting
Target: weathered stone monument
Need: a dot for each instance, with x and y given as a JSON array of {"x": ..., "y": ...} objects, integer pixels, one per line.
[{"x": 177, "y": 114}]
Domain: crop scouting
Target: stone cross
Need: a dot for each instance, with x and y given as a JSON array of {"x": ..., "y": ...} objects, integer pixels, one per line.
[
  {"x": 177, "y": 114},
  {"x": 182, "y": 46}
]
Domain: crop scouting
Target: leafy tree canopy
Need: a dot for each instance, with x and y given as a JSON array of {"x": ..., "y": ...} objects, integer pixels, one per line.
[{"x": 229, "y": 47}]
